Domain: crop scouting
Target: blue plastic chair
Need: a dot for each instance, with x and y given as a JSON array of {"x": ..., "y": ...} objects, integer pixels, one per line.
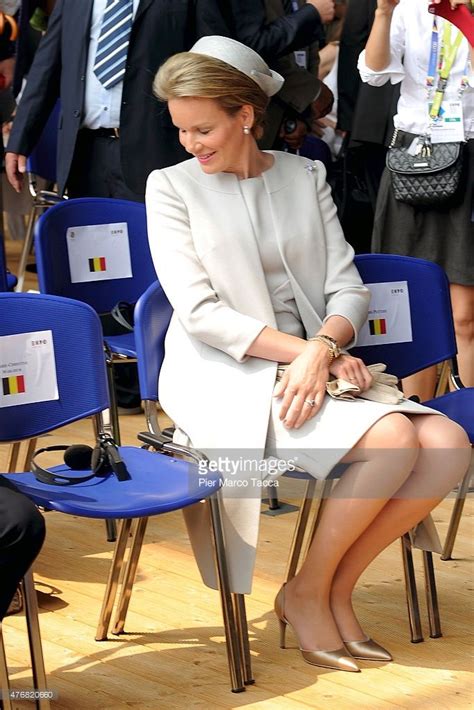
[
  {"x": 53, "y": 264},
  {"x": 158, "y": 483},
  {"x": 152, "y": 316},
  {"x": 41, "y": 163},
  {"x": 434, "y": 341}
]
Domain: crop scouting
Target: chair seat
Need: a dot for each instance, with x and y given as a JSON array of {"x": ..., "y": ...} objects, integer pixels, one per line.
[
  {"x": 458, "y": 406},
  {"x": 122, "y": 344},
  {"x": 158, "y": 484}
]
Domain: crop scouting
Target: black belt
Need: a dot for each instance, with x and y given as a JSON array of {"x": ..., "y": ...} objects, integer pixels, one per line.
[{"x": 102, "y": 132}]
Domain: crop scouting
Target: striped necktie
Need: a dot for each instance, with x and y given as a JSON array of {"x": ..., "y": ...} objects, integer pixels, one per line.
[{"x": 112, "y": 47}]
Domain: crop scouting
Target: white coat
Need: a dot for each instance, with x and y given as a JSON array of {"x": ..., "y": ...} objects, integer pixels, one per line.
[{"x": 207, "y": 260}]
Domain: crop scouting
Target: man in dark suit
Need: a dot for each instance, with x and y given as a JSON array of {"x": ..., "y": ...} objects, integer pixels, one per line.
[
  {"x": 110, "y": 138},
  {"x": 112, "y": 133}
]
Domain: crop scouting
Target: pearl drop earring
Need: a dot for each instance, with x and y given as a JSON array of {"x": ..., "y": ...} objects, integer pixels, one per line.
[{"x": 247, "y": 130}]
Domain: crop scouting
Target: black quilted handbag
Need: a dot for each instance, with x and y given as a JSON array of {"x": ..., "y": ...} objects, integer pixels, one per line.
[{"x": 432, "y": 179}]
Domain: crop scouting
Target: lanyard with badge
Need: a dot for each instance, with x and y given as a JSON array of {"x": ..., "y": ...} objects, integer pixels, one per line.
[{"x": 446, "y": 117}]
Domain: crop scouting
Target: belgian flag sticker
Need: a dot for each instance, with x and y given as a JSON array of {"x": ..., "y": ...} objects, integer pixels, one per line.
[
  {"x": 97, "y": 264},
  {"x": 378, "y": 326},
  {"x": 14, "y": 384}
]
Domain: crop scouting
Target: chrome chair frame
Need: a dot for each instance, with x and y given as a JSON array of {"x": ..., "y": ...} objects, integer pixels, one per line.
[
  {"x": 35, "y": 646},
  {"x": 123, "y": 573}
]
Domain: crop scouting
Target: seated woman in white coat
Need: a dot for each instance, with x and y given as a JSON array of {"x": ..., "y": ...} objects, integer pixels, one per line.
[{"x": 250, "y": 253}]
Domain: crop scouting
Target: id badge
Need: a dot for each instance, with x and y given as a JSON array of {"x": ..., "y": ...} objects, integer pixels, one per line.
[
  {"x": 301, "y": 59},
  {"x": 449, "y": 126}
]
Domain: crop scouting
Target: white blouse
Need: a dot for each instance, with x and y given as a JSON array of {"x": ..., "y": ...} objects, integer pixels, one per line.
[{"x": 410, "y": 43}]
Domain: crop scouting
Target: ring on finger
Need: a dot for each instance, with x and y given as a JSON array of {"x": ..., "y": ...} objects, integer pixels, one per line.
[{"x": 310, "y": 402}]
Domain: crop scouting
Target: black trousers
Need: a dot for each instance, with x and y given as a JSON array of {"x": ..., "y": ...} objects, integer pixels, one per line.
[
  {"x": 96, "y": 172},
  {"x": 22, "y": 532}
]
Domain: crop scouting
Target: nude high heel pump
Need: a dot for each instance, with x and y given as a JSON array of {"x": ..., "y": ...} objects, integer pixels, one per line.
[
  {"x": 337, "y": 660},
  {"x": 368, "y": 650}
]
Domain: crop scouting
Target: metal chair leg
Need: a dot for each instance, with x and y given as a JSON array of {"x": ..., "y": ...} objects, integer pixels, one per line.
[
  {"x": 27, "y": 247},
  {"x": 230, "y": 627},
  {"x": 112, "y": 582},
  {"x": 111, "y": 529},
  {"x": 325, "y": 493},
  {"x": 29, "y": 454},
  {"x": 130, "y": 571},
  {"x": 13, "y": 457},
  {"x": 4, "y": 680},
  {"x": 241, "y": 617},
  {"x": 456, "y": 517},
  {"x": 273, "y": 502},
  {"x": 300, "y": 529},
  {"x": 36, "y": 650},
  {"x": 431, "y": 596},
  {"x": 411, "y": 591}
]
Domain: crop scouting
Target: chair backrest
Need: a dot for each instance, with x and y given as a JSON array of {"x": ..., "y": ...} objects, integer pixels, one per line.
[
  {"x": 433, "y": 339},
  {"x": 79, "y": 363},
  {"x": 42, "y": 159},
  {"x": 152, "y": 316},
  {"x": 54, "y": 274},
  {"x": 3, "y": 266}
]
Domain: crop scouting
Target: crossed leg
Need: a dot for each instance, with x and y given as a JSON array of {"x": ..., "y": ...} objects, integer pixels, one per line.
[{"x": 393, "y": 483}]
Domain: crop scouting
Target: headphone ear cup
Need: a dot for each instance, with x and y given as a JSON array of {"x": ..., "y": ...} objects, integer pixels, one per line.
[{"x": 78, "y": 457}]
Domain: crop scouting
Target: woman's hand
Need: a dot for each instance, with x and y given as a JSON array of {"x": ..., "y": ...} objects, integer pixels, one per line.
[
  {"x": 303, "y": 385},
  {"x": 353, "y": 370}
]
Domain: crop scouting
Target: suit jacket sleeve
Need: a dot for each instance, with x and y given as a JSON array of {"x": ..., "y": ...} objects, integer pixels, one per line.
[
  {"x": 201, "y": 311},
  {"x": 274, "y": 39},
  {"x": 42, "y": 89}
]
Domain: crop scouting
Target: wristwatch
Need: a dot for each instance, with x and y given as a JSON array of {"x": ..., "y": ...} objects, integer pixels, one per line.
[{"x": 330, "y": 343}]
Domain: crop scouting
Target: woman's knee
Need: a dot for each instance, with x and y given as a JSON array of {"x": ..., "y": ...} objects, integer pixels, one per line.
[
  {"x": 438, "y": 432},
  {"x": 394, "y": 431}
]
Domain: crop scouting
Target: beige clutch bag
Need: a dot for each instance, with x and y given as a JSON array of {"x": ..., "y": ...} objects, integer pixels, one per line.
[{"x": 384, "y": 387}]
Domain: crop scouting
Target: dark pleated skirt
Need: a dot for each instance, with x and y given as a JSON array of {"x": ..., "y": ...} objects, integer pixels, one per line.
[{"x": 445, "y": 236}]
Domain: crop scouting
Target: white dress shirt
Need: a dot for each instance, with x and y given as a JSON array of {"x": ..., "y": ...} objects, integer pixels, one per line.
[
  {"x": 101, "y": 106},
  {"x": 410, "y": 43}
]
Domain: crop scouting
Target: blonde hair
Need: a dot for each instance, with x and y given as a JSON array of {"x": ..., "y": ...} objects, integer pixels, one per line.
[{"x": 196, "y": 75}]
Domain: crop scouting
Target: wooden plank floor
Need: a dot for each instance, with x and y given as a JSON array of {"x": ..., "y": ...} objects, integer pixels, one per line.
[{"x": 173, "y": 654}]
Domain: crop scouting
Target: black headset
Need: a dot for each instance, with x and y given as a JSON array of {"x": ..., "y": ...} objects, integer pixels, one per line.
[{"x": 102, "y": 460}]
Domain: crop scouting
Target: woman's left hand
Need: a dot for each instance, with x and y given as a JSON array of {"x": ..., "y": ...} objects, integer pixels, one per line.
[{"x": 353, "y": 370}]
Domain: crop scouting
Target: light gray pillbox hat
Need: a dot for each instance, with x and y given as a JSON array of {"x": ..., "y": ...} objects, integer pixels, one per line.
[{"x": 242, "y": 58}]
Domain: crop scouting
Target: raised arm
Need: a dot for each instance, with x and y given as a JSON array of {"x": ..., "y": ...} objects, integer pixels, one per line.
[
  {"x": 248, "y": 22},
  {"x": 377, "y": 51}
]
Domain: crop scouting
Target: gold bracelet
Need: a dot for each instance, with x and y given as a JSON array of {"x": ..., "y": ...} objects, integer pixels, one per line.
[{"x": 330, "y": 343}]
